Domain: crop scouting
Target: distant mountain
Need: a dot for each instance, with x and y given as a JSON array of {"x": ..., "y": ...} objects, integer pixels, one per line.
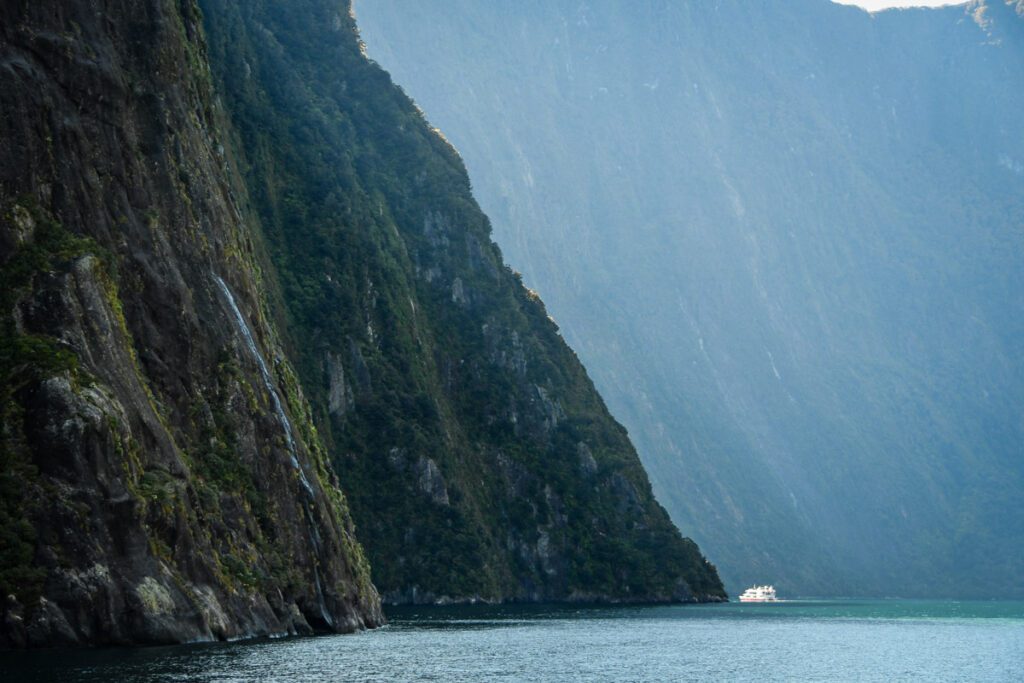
[{"x": 787, "y": 239}]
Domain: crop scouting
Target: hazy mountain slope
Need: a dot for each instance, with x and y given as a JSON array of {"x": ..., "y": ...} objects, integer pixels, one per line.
[
  {"x": 786, "y": 240},
  {"x": 160, "y": 479},
  {"x": 479, "y": 459}
]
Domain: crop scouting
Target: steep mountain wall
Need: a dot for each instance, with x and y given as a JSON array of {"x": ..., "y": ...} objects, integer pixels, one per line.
[
  {"x": 174, "y": 240},
  {"x": 785, "y": 238},
  {"x": 479, "y": 460},
  {"x": 161, "y": 479}
]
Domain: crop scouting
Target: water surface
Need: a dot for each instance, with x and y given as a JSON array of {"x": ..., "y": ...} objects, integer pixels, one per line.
[{"x": 800, "y": 640}]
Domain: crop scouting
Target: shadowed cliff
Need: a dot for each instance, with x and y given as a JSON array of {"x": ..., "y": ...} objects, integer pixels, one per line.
[{"x": 161, "y": 479}]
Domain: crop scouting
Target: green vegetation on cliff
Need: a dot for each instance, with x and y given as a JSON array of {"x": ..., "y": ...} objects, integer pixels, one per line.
[
  {"x": 26, "y": 359},
  {"x": 479, "y": 461},
  {"x": 169, "y": 460},
  {"x": 150, "y": 489}
]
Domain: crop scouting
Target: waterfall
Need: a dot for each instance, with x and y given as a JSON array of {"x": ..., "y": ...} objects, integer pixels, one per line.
[
  {"x": 268, "y": 382},
  {"x": 275, "y": 399}
]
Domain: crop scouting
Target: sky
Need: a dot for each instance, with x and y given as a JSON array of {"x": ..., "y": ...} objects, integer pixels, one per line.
[{"x": 882, "y": 4}]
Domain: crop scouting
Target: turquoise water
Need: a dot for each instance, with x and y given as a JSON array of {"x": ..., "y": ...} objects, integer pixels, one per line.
[{"x": 801, "y": 640}]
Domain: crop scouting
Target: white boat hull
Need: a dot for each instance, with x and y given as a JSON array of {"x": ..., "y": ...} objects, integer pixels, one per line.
[{"x": 759, "y": 594}]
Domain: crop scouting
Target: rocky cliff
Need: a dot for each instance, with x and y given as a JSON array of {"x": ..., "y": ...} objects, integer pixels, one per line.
[
  {"x": 161, "y": 478},
  {"x": 230, "y": 277},
  {"x": 480, "y": 462}
]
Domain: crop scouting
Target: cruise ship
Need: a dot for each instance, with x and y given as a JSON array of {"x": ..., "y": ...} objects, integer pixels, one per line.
[{"x": 759, "y": 594}]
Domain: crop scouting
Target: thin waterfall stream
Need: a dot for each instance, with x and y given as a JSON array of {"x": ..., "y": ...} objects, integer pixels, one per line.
[
  {"x": 268, "y": 382},
  {"x": 275, "y": 399}
]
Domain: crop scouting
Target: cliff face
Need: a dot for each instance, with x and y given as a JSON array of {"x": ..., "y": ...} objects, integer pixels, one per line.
[
  {"x": 161, "y": 478},
  {"x": 479, "y": 460},
  {"x": 784, "y": 237}
]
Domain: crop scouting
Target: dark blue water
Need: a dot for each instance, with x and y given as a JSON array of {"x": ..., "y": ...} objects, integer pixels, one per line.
[{"x": 832, "y": 640}]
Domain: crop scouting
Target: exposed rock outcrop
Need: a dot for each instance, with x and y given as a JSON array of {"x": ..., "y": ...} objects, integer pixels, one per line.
[{"x": 161, "y": 482}]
